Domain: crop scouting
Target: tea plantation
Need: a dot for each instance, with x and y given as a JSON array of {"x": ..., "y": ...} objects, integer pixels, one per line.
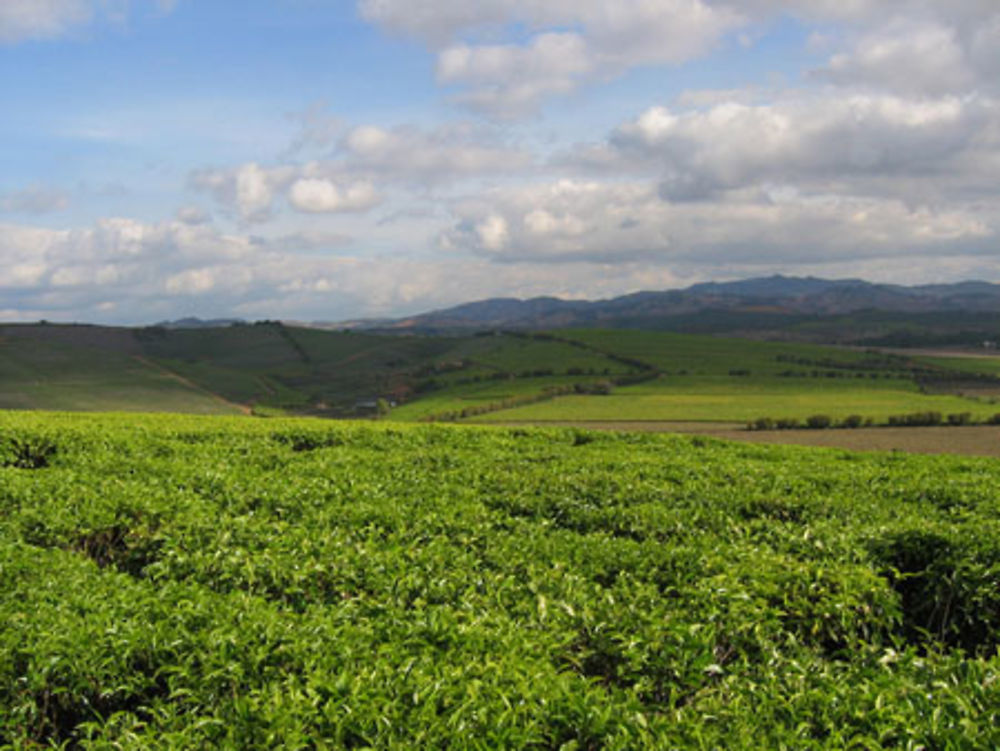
[{"x": 185, "y": 582}]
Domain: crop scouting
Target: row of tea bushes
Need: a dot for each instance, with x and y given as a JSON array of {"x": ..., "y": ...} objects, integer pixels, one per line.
[{"x": 239, "y": 583}]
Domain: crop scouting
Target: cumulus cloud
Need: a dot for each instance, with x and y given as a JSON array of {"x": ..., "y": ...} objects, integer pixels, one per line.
[
  {"x": 813, "y": 141},
  {"x": 921, "y": 57},
  {"x": 511, "y": 79},
  {"x": 150, "y": 271},
  {"x": 133, "y": 263},
  {"x": 249, "y": 189},
  {"x": 22, "y": 20},
  {"x": 505, "y": 57},
  {"x": 368, "y": 159},
  {"x": 906, "y": 56},
  {"x": 868, "y": 12},
  {"x": 569, "y": 42},
  {"x": 318, "y": 196},
  {"x": 571, "y": 238},
  {"x": 601, "y": 222},
  {"x": 888, "y": 154}
]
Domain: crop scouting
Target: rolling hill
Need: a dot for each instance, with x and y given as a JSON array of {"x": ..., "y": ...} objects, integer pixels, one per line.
[
  {"x": 846, "y": 310},
  {"x": 589, "y": 376}
]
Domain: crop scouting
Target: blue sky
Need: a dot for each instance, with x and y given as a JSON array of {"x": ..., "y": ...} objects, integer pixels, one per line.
[{"x": 331, "y": 159}]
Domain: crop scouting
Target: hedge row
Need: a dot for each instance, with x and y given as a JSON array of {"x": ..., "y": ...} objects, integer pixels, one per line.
[{"x": 913, "y": 419}]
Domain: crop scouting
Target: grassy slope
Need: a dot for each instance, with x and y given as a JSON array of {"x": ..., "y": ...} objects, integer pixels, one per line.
[
  {"x": 57, "y": 375},
  {"x": 298, "y": 369},
  {"x": 705, "y": 355},
  {"x": 697, "y": 385},
  {"x": 200, "y": 583},
  {"x": 455, "y": 398},
  {"x": 516, "y": 355},
  {"x": 980, "y": 364},
  {"x": 327, "y": 372},
  {"x": 723, "y": 399}
]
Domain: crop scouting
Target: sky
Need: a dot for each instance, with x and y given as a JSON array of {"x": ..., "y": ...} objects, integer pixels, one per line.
[{"x": 323, "y": 160}]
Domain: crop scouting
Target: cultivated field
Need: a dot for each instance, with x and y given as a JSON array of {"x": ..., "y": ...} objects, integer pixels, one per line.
[
  {"x": 726, "y": 399},
  {"x": 229, "y": 582}
]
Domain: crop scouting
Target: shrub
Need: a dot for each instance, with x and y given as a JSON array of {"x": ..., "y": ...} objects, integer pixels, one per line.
[
  {"x": 818, "y": 422},
  {"x": 26, "y": 452},
  {"x": 916, "y": 419},
  {"x": 599, "y": 388},
  {"x": 853, "y": 421}
]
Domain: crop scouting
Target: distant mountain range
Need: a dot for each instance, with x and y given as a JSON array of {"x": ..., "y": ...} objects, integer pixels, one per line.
[{"x": 757, "y": 302}]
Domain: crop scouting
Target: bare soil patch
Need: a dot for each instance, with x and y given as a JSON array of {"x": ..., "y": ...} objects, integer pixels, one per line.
[
  {"x": 970, "y": 440},
  {"x": 973, "y": 440}
]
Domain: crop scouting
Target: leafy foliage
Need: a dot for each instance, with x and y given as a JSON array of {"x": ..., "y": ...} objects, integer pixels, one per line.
[{"x": 217, "y": 582}]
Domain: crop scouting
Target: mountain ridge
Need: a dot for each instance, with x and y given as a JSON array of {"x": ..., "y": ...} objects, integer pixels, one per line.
[{"x": 775, "y": 295}]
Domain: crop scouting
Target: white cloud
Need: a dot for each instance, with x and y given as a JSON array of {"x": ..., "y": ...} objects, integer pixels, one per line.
[
  {"x": 192, "y": 215},
  {"x": 368, "y": 160},
  {"x": 444, "y": 154},
  {"x": 315, "y": 195},
  {"x": 120, "y": 270},
  {"x": 507, "y": 56},
  {"x": 869, "y": 12},
  {"x": 921, "y": 58},
  {"x": 820, "y": 141},
  {"x": 35, "y": 199},
  {"x": 572, "y": 220},
  {"x": 249, "y": 189},
  {"x": 568, "y": 238},
  {"x": 254, "y": 190},
  {"x": 918, "y": 58},
  {"x": 569, "y": 43},
  {"x": 492, "y": 233},
  {"x": 511, "y": 79},
  {"x": 22, "y": 20},
  {"x": 191, "y": 281},
  {"x": 41, "y": 19}
]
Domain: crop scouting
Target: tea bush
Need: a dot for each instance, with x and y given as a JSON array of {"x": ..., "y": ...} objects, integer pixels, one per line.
[{"x": 239, "y": 583}]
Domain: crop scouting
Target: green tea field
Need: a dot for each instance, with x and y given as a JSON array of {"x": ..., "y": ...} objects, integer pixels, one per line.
[{"x": 219, "y": 582}]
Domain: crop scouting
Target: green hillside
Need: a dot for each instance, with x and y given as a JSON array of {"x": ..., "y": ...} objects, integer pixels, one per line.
[
  {"x": 571, "y": 375},
  {"x": 269, "y": 365},
  {"x": 733, "y": 380},
  {"x": 730, "y": 400},
  {"x": 194, "y": 582},
  {"x": 41, "y": 374}
]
